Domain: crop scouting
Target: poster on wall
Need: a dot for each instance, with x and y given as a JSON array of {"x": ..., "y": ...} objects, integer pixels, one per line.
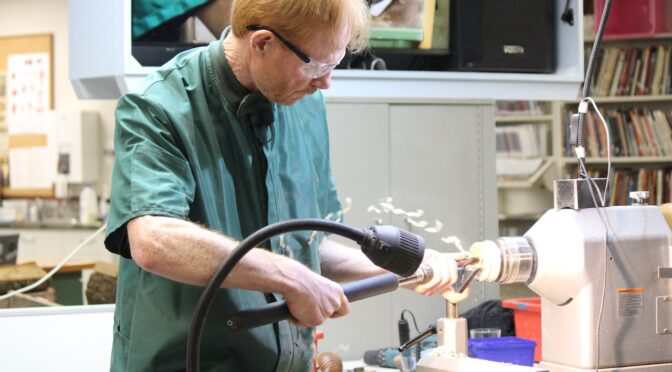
[
  {"x": 27, "y": 101},
  {"x": 27, "y": 92},
  {"x": 3, "y": 122}
]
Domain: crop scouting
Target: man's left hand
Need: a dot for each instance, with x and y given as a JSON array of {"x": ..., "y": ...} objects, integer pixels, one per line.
[{"x": 444, "y": 269}]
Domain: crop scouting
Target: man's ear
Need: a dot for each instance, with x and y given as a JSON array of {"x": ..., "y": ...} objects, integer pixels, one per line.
[{"x": 260, "y": 40}]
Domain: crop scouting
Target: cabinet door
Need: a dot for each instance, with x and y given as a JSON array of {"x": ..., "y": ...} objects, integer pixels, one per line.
[
  {"x": 43, "y": 246},
  {"x": 94, "y": 250},
  {"x": 443, "y": 162},
  {"x": 435, "y": 157},
  {"x": 360, "y": 148},
  {"x": 50, "y": 246}
]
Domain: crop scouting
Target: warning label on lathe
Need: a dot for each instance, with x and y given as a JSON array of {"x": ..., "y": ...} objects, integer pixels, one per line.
[{"x": 630, "y": 302}]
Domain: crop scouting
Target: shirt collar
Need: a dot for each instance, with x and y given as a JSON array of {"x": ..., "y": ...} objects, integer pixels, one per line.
[{"x": 241, "y": 100}]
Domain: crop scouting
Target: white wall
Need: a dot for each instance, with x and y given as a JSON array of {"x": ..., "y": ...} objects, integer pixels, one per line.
[{"x": 25, "y": 17}]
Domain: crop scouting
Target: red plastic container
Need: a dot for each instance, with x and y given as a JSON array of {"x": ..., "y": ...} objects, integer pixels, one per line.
[
  {"x": 527, "y": 318},
  {"x": 634, "y": 18}
]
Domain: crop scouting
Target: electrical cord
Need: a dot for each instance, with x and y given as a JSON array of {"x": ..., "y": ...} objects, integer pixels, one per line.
[
  {"x": 580, "y": 153},
  {"x": 583, "y": 107},
  {"x": 581, "y": 141},
  {"x": 583, "y": 171},
  {"x": 55, "y": 269},
  {"x": 607, "y": 225},
  {"x": 415, "y": 323},
  {"x": 397, "y": 251},
  {"x": 568, "y": 14},
  {"x": 418, "y": 347},
  {"x": 252, "y": 241}
]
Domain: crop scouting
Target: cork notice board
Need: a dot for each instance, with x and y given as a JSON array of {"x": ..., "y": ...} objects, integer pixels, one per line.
[{"x": 26, "y": 44}]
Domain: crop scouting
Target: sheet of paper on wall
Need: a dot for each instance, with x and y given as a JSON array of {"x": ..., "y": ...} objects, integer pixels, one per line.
[
  {"x": 3, "y": 102},
  {"x": 27, "y": 92},
  {"x": 20, "y": 173},
  {"x": 32, "y": 167}
]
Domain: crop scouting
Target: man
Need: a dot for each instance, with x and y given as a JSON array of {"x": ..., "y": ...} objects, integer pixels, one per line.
[{"x": 218, "y": 143}]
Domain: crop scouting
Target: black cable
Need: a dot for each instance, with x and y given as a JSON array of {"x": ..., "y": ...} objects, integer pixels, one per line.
[
  {"x": 415, "y": 323},
  {"x": 418, "y": 347},
  {"x": 252, "y": 241},
  {"x": 581, "y": 140},
  {"x": 568, "y": 14}
]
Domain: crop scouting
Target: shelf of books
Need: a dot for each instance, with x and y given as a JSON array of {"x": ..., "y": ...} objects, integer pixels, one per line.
[
  {"x": 522, "y": 138},
  {"x": 634, "y": 69},
  {"x": 634, "y": 133},
  {"x": 525, "y": 165},
  {"x": 641, "y": 142},
  {"x": 654, "y": 179},
  {"x": 632, "y": 86}
]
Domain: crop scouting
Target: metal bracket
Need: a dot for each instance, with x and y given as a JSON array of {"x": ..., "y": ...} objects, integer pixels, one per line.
[
  {"x": 664, "y": 272},
  {"x": 664, "y": 315},
  {"x": 576, "y": 193}
]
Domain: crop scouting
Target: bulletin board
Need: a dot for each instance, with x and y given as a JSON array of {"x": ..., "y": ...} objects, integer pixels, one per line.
[{"x": 23, "y": 44}]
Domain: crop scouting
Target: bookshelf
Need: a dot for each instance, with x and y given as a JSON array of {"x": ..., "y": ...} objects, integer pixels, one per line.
[
  {"x": 632, "y": 87},
  {"x": 524, "y": 196},
  {"x": 629, "y": 98}
]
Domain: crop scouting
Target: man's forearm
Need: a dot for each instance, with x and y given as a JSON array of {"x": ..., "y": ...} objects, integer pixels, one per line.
[
  {"x": 185, "y": 252},
  {"x": 341, "y": 263}
]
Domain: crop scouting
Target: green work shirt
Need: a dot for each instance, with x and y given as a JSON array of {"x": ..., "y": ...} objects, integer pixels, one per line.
[{"x": 183, "y": 151}]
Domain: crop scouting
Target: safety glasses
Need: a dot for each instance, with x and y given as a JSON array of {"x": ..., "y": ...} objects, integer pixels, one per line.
[{"x": 311, "y": 67}]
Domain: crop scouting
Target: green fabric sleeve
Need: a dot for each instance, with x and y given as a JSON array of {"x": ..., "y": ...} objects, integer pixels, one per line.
[{"x": 151, "y": 175}]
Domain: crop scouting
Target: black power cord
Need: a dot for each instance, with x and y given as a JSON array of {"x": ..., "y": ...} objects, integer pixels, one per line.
[
  {"x": 568, "y": 14},
  {"x": 392, "y": 249},
  {"x": 577, "y": 136},
  {"x": 405, "y": 334}
]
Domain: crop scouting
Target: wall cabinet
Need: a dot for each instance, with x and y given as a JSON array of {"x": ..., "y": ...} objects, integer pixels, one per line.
[
  {"x": 437, "y": 156},
  {"x": 49, "y": 246}
]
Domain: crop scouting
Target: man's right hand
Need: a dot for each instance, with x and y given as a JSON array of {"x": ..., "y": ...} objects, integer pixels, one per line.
[{"x": 314, "y": 299}]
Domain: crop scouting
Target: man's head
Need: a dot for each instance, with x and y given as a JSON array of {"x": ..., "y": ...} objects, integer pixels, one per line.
[{"x": 294, "y": 45}]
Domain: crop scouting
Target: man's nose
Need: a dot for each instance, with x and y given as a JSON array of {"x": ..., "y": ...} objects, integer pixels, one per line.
[{"x": 322, "y": 82}]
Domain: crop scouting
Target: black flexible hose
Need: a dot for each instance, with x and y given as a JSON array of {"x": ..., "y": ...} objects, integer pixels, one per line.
[
  {"x": 254, "y": 240},
  {"x": 588, "y": 78}
]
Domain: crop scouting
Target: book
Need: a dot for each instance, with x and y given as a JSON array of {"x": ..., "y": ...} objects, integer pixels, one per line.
[
  {"x": 632, "y": 74},
  {"x": 641, "y": 82},
  {"x": 659, "y": 186},
  {"x": 608, "y": 73},
  {"x": 441, "y": 28},
  {"x": 653, "y": 57},
  {"x": 428, "y": 24},
  {"x": 617, "y": 73},
  {"x": 666, "y": 72},
  {"x": 656, "y": 81},
  {"x": 616, "y": 130},
  {"x": 648, "y": 133},
  {"x": 664, "y": 130},
  {"x": 522, "y": 141},
  {"x": 635, "y": 77},
  {"x": 625, "y": 72}
]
